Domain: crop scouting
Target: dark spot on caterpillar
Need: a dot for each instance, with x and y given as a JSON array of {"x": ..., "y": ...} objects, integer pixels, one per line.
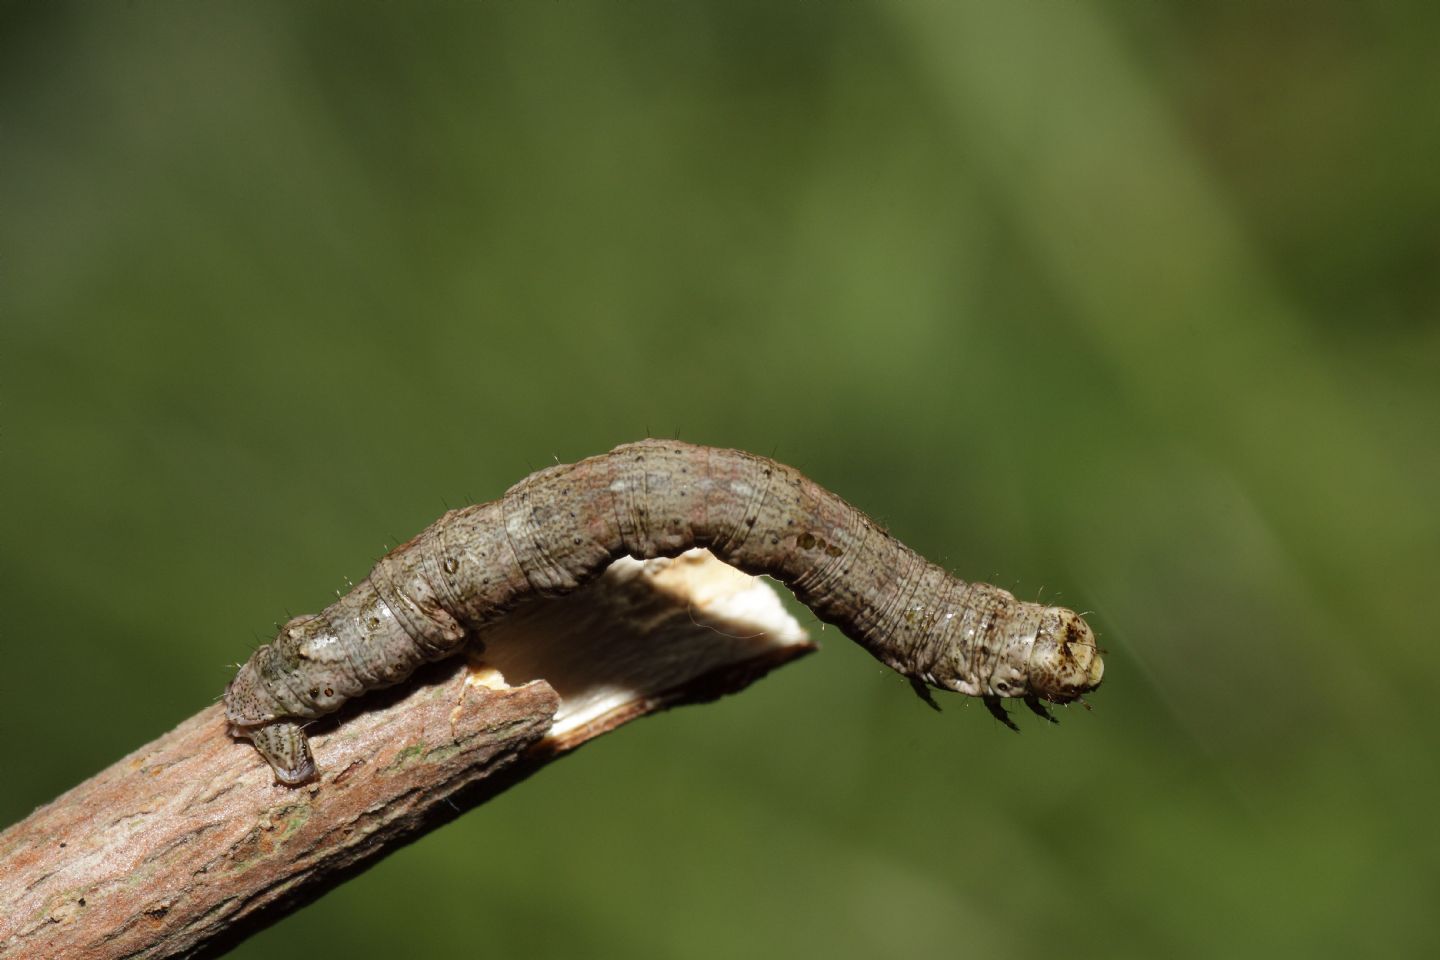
[
  {"x": 329, "y": 692},
  {"x": 314, "y": 692},
  {"x": 373, "y": 623},
  {"x": 833, "y": 550},
  {"x": 81, "y": 901},
  {"x": 805, "y": 541},
  {"x": 751, "y": 521},
  {"x": 451, "y": 565}
]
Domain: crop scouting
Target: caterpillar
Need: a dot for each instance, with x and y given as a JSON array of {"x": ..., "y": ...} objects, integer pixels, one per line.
[{"x": 560, "y": 527}]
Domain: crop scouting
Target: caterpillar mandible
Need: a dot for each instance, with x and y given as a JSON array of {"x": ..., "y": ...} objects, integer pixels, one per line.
[{"x": 560, "y": 527}]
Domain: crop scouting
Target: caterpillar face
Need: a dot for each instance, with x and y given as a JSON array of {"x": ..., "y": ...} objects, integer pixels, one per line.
[{"x": 1064, "y": 662}]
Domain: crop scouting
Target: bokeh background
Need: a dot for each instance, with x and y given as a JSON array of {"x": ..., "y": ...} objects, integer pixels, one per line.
[{"x": 1129, "y": 305}]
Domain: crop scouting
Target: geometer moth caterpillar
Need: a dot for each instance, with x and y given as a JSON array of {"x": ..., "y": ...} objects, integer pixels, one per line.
[{"x": 559, "y": 528}]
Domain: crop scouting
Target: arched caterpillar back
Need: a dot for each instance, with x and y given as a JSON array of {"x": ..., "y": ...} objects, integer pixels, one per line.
[{"x": 561, "y": 527}]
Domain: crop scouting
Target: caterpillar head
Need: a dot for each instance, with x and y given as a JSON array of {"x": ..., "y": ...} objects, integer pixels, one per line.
[
  {"x": 1064, "y": 662},
  {"x": 284, "y": 745}
]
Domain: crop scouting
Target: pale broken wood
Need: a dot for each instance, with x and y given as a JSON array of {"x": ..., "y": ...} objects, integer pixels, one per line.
[{"x": 187, "y": 845}]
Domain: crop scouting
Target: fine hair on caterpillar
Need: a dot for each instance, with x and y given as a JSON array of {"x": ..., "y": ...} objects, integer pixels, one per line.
[{"x": 562, "y": 526}]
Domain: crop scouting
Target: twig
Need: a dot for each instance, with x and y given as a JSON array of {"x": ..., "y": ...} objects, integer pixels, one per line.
[{"x": 187, "y": 845}]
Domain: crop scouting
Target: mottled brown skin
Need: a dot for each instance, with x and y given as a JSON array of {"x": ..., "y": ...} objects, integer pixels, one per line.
[{"x": 561, "y": 527}]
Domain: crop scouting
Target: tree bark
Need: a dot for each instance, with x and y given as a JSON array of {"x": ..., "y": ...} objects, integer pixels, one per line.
[{"x": 187, "y": 846}]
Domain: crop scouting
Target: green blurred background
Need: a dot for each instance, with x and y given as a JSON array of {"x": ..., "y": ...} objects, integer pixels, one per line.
[{"x": 1131, "y": 305}]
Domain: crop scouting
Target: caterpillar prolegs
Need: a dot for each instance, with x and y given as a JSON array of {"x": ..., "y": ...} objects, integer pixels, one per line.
[{"x": 559, "y": 528}]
